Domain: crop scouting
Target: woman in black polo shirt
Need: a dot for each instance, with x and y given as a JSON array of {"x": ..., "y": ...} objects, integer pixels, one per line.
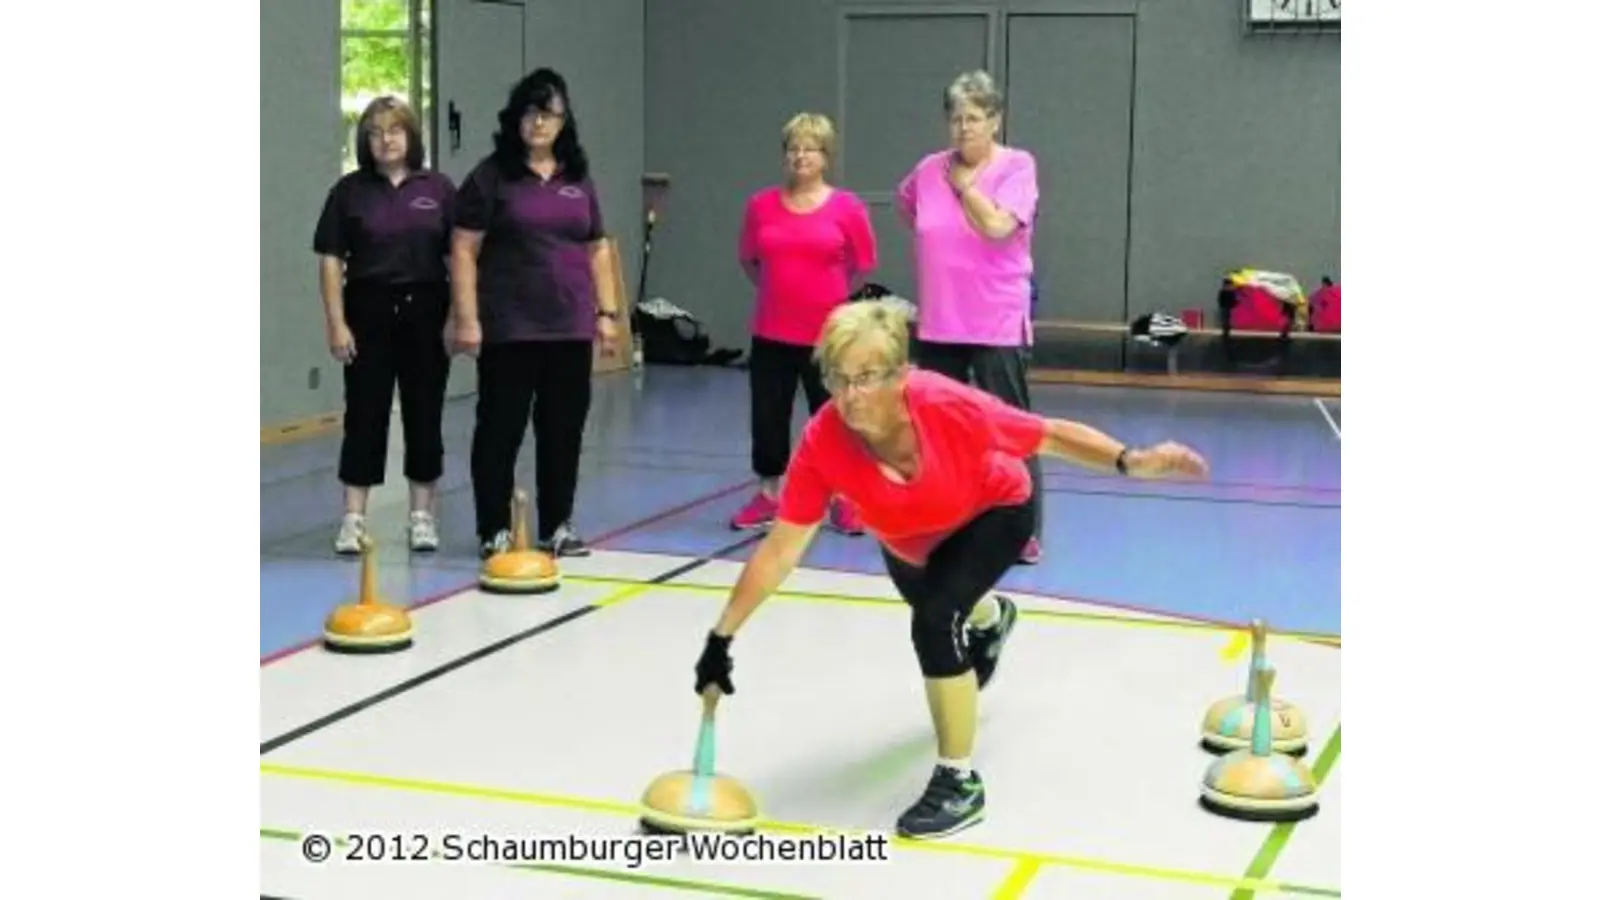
[
  {"x": 382, "y": 243},
  {"x": 530, "y": 270}
]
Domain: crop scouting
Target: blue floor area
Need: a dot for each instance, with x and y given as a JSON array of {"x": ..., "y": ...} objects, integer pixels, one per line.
[{"x": 1260, "y": 539}]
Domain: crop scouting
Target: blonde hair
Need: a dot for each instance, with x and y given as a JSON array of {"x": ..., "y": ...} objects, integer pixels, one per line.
[
  {"x": 814, "y": 126},
  {"x": 885, "y": 319}
]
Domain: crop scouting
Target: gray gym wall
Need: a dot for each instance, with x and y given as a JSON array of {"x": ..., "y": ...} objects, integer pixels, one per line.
[
  {"x": 598, "y": 45},
  {"x": 300, "y": 153},
  {"x": 1234, "y": 140}
]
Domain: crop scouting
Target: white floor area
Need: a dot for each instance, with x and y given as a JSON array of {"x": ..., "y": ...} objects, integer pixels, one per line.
[{"x": 1088, "y": 745}]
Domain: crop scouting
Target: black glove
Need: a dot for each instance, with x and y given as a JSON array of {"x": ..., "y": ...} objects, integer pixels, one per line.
[{"x": 714, "y": 666}]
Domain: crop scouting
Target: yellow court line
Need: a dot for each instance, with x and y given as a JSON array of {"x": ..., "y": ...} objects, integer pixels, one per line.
[
  {"x": 633, "y": 810},
  {"x": 1017, "y": 880},
  {"x": 301, "y": 429},
  {"x": 638, "y": 589},
  {"x": 1236, "y": 646},
  {"x": 1042, "y": 614}
]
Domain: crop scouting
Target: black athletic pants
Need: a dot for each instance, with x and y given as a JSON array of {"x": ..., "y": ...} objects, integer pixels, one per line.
[
  {"x": 399, "y": 335},
  {"x": 549, "y": 381},
  {"x": 776, "y": 369},
  {"x": 1001, "y": 371},
  {"x": 942, "y": 593}
]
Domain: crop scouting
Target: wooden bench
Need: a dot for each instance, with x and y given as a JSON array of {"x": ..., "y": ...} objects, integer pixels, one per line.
[{"x": 1121, "y": 328}]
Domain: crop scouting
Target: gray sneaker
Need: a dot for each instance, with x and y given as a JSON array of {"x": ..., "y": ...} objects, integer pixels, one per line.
[{"x": 500, "y": 543}]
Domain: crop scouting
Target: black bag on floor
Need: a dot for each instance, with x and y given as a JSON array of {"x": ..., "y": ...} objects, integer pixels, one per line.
[{"x": 672, "y": 336}]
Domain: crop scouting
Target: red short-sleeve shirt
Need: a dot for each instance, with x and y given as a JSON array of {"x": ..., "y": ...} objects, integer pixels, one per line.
[{"x": 971, "y": 448}]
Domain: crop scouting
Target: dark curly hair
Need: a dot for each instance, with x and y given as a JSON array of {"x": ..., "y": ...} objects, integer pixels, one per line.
[{"x": 537, "y": 91}]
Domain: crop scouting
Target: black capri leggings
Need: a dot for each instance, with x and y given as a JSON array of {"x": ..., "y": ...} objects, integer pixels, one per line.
[
  {"x": 551, "y": 383},
  {"x": 776, "y": 369},
  {"x": 959, "y": 572},
  {"x": 399, "y": 334}
]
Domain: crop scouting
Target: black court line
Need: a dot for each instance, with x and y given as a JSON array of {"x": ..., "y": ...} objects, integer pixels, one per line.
[{"x": 443, "y": 669}]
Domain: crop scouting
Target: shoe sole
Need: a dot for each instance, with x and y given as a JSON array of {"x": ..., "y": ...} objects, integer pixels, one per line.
[
  {"x": 567, "y": 552},
  {"x": 959, "y": 827}
]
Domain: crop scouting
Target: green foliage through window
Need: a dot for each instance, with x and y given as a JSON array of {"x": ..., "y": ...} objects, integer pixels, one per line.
[
  {"x": 375, "y": 15},
  {"x": 385, "y": 49}
]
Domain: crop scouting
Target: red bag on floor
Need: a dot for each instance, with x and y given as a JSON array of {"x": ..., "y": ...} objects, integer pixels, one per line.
[
  {"x": 1325, "y": 308},
  {"x": 1258, "y": 300},
  {"x": 1258, "y": 310}
]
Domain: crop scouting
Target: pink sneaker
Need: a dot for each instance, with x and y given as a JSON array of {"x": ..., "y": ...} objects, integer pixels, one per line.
[
  {"x": 1031, "y": 552},
  {"x": 845, "y": 520},
  {"x": 760, "y": 512}
]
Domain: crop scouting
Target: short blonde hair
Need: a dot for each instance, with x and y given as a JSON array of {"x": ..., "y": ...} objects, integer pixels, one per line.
[
  {"x": 812, "y": 126},
  {"x": 887, "y": 319}
]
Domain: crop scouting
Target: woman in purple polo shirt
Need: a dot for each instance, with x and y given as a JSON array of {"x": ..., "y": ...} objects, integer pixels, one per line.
[
  {"x": 531, "y": 272},
  {"x": 382, "y": 242},
  {"x": 971, "y": 210}
]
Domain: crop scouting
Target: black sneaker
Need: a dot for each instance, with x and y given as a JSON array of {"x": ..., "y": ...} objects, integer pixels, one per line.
[
  {"x": 950, "y": 803},
  {"x": 565, "y": 542},
  {"x": 987, "y": 642}
]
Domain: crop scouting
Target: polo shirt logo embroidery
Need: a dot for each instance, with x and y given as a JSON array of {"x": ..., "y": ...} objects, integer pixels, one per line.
[
  {"x": 424, "y": 203},
  {"x": 572, "y": 193}
]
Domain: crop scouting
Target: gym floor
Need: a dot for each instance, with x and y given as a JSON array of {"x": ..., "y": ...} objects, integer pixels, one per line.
[{"x": 522, "y": 716}]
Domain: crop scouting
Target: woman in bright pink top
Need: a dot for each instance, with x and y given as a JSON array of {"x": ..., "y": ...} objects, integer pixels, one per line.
[
  {"x": 806, "y": 246},
  {"x": 936, "y": 469},
  {"x": 971, "y": 209}
]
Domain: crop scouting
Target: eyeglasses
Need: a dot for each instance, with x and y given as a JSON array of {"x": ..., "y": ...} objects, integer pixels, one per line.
[
  {"x": 838, "y": 382},
  {"x": 972, "y": 120}
]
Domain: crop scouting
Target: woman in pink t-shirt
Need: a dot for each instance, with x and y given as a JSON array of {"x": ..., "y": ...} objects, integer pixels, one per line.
[
  {"x": 971, "y": 209},
  {"x": 806, "y": 246},
  {"x": 936, "y": 469}
]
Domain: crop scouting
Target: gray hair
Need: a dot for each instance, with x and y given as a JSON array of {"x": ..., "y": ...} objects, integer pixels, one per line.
[{"x": 976, "y": 88}]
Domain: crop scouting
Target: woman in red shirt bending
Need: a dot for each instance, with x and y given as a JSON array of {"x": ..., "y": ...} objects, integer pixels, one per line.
[
  {"x": 806, "y": 246},
  {"x": 937, "y": 471}
]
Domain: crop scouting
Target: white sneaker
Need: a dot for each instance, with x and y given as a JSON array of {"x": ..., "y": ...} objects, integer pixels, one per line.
[
  {"x": 348, "y": 543},
  {"x": 424, "y": 532}
]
